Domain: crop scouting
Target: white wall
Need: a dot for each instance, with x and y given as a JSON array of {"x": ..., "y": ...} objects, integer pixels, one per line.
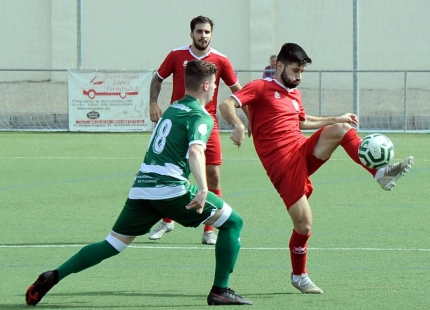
[
  {"x": 63, "y": 34},
  {"x": 25, "y": 37},
  {"x": 138, "y": 34}
]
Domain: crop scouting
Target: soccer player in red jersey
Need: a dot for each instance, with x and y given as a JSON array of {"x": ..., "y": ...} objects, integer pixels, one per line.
[
  {"x": 174, "y": 63},
  {"x": 288, "y": 156}
]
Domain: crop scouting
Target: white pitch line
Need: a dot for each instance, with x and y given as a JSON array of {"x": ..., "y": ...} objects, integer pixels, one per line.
[
  {"x": 68, "y": 158},
  {"x": 130, "y": 158},
  {"x": 212, "y": 248}
]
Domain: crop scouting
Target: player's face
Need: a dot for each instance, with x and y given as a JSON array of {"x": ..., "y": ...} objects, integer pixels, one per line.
[
  {"x": 291, "y": 75},
  {"x": 202, "y": 36}
]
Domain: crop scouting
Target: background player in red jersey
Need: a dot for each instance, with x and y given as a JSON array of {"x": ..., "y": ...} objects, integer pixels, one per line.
[
  {"x": 174, "y": 63},
  {"x": 288, "y": 156}
]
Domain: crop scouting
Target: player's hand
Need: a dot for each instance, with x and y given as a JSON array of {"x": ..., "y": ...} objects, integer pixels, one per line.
[
  {"x": 154, "y": 112},
  {"x": 198, "y": 201},
  {"x": 237, "y": 135},
  {"x": 350, "y": 118}
]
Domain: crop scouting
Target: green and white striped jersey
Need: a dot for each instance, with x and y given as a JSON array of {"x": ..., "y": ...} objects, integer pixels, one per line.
[{"x": 165, "y": 170}]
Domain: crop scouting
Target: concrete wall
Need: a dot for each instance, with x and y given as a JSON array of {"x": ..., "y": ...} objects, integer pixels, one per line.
[
  {"x": 25, "y": 37},
  {"x": 138, "y": 34}
]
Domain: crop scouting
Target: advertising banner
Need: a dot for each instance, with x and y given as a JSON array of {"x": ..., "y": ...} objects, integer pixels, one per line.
[{"x": 109, "y": 101}]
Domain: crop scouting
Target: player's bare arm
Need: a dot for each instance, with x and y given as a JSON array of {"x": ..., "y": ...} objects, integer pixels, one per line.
[
  {"x": 228, "y": 111},
  {"x": 197, "y": 162},
  {"x": 234, "y": 89},
  {"x": 154, "y": 91},
  {"x": 316, "y": 122}
]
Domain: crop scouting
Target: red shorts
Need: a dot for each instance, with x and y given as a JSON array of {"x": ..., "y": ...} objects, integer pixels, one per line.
[
  {"x": 213, "y": 147},
  {"x": 291, "y": 179}
]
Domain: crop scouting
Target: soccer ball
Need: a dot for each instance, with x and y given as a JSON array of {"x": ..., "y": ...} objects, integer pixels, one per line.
[{"x": 376, "y": 151}]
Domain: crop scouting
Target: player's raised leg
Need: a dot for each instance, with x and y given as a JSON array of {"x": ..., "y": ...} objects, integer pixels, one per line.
[
  {"x": 391, "y": 173},
  {"x": 350, "y": 141},
  {"x": 387, "y": 176}
]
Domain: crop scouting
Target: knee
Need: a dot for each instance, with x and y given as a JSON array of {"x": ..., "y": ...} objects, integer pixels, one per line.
[
  {"x": 238, "y": 221},
  {"x": 343, "y": 128},
  {"x": 303, "y": 228},
  {"x": 118, "y": 242},
  {"x": 213, "y": 177},
  {"x": 337, "y": 131},
  {"x": 234, "y": 221}
]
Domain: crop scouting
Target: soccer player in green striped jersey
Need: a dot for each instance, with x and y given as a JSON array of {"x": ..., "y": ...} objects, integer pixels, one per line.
[{"x": 162, "y": 189}]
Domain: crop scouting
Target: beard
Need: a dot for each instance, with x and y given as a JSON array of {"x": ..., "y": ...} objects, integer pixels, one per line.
[
  {"x": 287, "y": 81},
  {"x": 198, "y": 45}
]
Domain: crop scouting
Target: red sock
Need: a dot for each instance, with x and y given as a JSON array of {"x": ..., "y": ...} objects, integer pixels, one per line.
[
  {"x": 298, "y": 252},
  {"x": 167, "y": 220},
  {"x": 351, "y": 142},
  {"x": 217, "y": 192},
  {"x": 208, "y": 228}
]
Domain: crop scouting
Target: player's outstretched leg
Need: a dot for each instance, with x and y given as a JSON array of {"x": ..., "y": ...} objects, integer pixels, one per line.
[
  {"x": 40, "y": 287},
  {"x": 162, "y": 228},
  {"x": 393, "y": 172},
  {"x": 304, "y": 284}
]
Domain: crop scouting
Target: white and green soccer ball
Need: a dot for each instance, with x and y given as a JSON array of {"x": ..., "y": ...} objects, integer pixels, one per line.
[{"x": 376, "y": 151}]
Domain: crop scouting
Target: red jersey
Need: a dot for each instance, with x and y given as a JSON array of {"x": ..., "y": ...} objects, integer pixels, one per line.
[
  {"x": 175, "y": 62},
  {"x": 275, "y": 112}
]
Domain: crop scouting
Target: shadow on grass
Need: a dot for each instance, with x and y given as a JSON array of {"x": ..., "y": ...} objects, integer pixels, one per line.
[
  {"x": 160, "y": 296},
  {"x": 77, "y": 244}
]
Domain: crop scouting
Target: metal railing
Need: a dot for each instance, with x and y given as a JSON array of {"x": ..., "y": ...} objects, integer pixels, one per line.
[{"x": 387, "y": 100}]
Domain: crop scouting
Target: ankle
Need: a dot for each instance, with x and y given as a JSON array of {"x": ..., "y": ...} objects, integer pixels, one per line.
[{"x": 218, "y": 290}]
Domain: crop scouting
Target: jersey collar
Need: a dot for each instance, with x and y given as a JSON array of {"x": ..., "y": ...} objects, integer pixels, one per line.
[{"x": 197, "y": 57}]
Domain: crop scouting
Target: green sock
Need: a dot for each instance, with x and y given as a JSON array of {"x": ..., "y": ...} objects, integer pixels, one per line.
[
  {"x": 227, "y": 249},
  {"x": 87, "y": 257}
]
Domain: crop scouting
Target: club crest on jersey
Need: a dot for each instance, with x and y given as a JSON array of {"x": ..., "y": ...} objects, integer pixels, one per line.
[
  {"x": 203, "y": 129},
  {"x": 185, "y": 62},
  {"x": 295, "y": 104},
  {"x": 277, "y": 96}
]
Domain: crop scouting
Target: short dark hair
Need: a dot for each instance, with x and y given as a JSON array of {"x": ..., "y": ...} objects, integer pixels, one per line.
[
  {"x": 196, "y": 71},
  {"x": 293, "y": 53},
  {"x": 201, "y": 20}
]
